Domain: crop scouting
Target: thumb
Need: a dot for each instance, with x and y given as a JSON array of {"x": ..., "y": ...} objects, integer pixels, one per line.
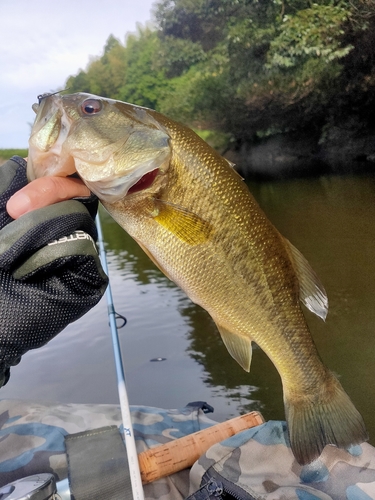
[{"x": 43, "y": 192}]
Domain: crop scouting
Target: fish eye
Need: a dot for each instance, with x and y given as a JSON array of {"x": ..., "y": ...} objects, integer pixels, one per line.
[{"x": 91, "y": 106}]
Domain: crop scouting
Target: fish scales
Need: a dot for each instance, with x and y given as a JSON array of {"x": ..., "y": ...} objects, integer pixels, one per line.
[
  {"x": 255, "y": 247},
  {"x": 195, "y": 218}
]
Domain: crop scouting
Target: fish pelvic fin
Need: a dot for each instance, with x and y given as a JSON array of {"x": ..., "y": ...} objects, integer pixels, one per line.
[
  {"x": 312, "y": 292},
  {"x": 184, "y": 224},
  {"x": 239, "y": 347},
  {"x": 312, "y": 424}
]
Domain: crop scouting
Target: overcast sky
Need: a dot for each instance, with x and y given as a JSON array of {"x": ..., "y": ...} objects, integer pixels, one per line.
[{"x": 45, "y": 41}]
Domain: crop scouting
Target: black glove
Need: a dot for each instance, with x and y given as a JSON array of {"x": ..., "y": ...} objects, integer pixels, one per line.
[{"x": 50, "y": 271}]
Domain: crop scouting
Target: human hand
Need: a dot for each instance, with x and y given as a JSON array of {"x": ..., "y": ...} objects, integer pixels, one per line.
[
  {"x": 50, "y": 272},
  {"x": 43, "y": 192}
]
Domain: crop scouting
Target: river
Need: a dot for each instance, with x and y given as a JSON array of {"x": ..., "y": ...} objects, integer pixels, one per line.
[{"x": 330, "y": 219}]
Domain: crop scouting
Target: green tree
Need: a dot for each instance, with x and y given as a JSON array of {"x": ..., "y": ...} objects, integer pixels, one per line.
[
  {"x": 126, "y": 72},
  {"x": 104, "y": 75},
  {"x": 265, "y": 65},
  {"x": 144, "y": 79},
  {"x": 248, "y": 68}
]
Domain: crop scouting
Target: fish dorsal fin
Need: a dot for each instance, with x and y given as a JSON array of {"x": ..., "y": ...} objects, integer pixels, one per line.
[
  {"x": 239, "y": 347},
  {"x": 232, "y": 165},
  {"x": 312, "y": 292},
  {"x": 184, "y": 224}
]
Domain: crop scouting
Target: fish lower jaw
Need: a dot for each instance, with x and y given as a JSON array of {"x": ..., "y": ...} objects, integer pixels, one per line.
[
  {"x": 47, "y": 164},
  {"x": 116, "y": 188}
]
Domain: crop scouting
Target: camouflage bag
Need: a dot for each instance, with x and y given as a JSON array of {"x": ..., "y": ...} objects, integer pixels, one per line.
[
  {"x": 258, "y": 464},
  {"x": 32, "y": 437},
  {"x": 254, "y": 464}
]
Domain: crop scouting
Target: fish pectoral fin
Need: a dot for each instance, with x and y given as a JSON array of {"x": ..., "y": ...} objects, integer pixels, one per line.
[
  {"x": 186, "y": 225},
  {"x": 239, "y": 347},
  {"x": 312, "y": 292}
]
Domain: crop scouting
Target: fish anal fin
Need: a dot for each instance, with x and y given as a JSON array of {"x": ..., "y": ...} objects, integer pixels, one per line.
[
  {"x": 312, "y": 292},
  {"x": 187, "y": 226},
  {"x": 239, "y": 347}
]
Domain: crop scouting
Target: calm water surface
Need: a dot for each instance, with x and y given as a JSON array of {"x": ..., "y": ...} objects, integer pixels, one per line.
[{"x": 331, "y": 220}]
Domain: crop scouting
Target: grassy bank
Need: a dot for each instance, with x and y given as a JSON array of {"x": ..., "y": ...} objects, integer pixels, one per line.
[{"x": 5, "y": 154}]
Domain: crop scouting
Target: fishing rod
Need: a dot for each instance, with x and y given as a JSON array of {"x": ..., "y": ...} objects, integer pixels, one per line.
[
  {"x": 151, "y": 464},
  {"x": 131, "y": 451}
]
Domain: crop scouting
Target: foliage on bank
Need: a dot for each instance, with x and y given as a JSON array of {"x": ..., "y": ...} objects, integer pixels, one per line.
[
  {"x": 5, "y": 154},
  {"x": 247, "y": 68}
]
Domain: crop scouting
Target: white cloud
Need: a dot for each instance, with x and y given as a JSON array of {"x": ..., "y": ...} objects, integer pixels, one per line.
[{"x": 45, "y": 41}]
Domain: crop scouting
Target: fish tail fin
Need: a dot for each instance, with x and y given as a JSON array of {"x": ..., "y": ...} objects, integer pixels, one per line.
[{"x": 330, "y": 418}]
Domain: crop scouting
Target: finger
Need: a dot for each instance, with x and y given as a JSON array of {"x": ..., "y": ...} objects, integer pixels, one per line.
[{"x": 43, "y": 192}]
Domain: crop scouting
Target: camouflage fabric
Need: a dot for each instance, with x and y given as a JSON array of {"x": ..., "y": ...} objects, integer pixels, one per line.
[
  {"x": 254, "y": 464},
  {"x": 32, "y": 437},
  {"x": 258, "y": 464}
]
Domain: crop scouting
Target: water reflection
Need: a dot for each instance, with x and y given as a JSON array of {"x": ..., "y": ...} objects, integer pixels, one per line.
[
  {"x": 331, "y": 220},
  {"x": 221, "y": 372},
  {"x": 228, "y": 385}
]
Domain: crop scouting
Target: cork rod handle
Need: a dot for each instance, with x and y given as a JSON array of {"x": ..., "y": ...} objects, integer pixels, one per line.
[{"x": 181, "y": 453}]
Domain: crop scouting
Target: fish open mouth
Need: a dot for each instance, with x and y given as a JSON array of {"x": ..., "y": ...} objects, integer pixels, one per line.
[
  {"x": 49, "y": 133},
  {"x": 144, "y": 182},
  {"x": 111, "y": 188},
  {"x": 112, "y": 165}
]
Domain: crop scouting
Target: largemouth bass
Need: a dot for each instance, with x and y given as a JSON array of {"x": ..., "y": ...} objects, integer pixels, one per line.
[{"x": 195, "y": 218}]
